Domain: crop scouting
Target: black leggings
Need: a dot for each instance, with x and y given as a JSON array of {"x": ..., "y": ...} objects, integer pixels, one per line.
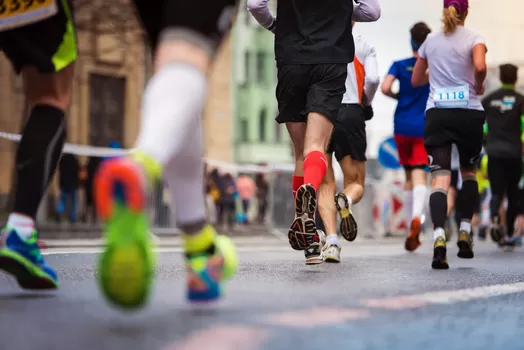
[{"x": 504, "y": 176}]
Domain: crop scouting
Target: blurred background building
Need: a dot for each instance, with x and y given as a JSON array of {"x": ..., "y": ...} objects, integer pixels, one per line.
[{"x": 238, "y": 122}]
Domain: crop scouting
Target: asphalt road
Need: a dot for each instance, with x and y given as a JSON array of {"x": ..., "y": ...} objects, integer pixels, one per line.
[{"x": 379, "y": 297}]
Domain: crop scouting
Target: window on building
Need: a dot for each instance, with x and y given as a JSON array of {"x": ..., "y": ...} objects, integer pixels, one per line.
[
  {"x": 262, "y": 125},
  {"x": 244, "y": 130},
  {"x": 261, "y": 67},
  {"x": 247, "y": 58}
]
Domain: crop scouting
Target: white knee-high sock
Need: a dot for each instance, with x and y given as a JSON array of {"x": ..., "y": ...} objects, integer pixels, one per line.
[
  {"x": 173, "y": 99},
  {"x": 184, "y": 175},
  {"x": 420, "y": 197},
  {"x": 408, "y": 204}
]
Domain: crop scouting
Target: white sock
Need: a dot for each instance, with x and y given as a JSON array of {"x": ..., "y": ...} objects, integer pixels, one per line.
[
  {"x": 420, "y": 196},
  {"x": 23, "y": 225},
  {"x": 184, "y": 175},
  {"x": 333, "y": 240},
  {"x": 439, "y": 232},
  {"x": 174, "y": 97},
  {"x": 465, "y": 226},
  {"x": 408, "y": 204}
]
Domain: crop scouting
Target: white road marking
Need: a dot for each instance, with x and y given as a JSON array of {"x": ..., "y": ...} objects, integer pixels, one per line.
[
  {"x": 348, "y": 253},
  {"x": 445, "y": 297}
]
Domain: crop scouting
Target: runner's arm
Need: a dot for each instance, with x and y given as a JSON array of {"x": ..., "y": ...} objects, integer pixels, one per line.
[
  {"x": 371, "y": 77},
  {"x": 260, "y": 11},
  {"x": 366, "y": 10},
  {"x": 420, "y": 75}
]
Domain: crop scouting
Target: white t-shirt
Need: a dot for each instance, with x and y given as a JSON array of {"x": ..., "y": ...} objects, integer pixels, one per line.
[
  {"x": 451, "y": 70},
  {"x": 362, "y": 73},
  {"x": 455, "y": 159}
]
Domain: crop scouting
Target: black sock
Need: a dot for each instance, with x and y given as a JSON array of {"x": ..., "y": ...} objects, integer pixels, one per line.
[
  {"x": 37, "y": 157},
  {"x": 438, "y": 207},
  {"x": 469, "y": 199}
]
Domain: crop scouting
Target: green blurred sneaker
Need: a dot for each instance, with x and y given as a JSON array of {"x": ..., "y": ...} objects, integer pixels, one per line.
[{"x": 126, "y": 267}]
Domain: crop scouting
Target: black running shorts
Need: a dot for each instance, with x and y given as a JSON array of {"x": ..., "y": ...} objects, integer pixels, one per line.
[
  {"x": 349, "y": 135},
  {"x": 213, "y": 19},
  {"x": 463, "y": 127},
  {"x": 30, "y": 36},
  {"x": 307, "y": 88}
]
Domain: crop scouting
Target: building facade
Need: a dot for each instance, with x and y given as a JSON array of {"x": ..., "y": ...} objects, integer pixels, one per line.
[
  {"x": 109, "y": 80},
  {"x": 257, "y": 137}
]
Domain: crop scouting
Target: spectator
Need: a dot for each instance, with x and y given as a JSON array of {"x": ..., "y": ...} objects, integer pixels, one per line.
[
  {"x": 262, "y": 194},
  {"x": 215, "y": 186},
  {"x": 246, "y": 190},
  {"x": 91, "y": 168},
  {"x": 69, "y": 174},
  {"x": 228, "y": 194}
]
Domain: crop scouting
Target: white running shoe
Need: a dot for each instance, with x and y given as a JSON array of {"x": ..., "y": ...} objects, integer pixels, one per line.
[{"x": 332, "y": 254}]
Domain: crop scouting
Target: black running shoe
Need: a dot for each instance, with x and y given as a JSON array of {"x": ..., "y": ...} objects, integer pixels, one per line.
[
  {"x": 440, "y": 260},
  {"x": 348, "y": 224},
  {"x": 496, "y": 231},
  {"x": 304, "y": 229},
  {"x": 465, "y": 245}
]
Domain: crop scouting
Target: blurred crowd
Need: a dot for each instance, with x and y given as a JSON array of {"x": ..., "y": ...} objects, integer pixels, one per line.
[
  {"x": 236, "y": 200},
  {"x": 231, "y": 200}
]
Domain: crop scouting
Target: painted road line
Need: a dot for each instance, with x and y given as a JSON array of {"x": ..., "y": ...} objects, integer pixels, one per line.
[
  {"x": 347, "y": 254},
  {"x": 315, "y": 318},
  {"x": 223, "y": 337},
  {"x": 444, "y": 297}
]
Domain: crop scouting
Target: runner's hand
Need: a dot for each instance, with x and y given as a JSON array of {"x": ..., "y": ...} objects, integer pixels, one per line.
[{"x": 479, "y": 90}]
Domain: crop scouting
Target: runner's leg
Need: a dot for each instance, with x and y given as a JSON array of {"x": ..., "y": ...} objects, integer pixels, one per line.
[
  {"x": 497, "y": 179},
  {"x": 171, "y": 109},
  {"x": 47, "y": 78}
]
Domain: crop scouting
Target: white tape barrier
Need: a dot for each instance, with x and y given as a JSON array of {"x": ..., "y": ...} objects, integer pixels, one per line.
[{"x": 89, "y": 151}]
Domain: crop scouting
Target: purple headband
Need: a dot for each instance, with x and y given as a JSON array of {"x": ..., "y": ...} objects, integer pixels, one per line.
[{"x": 460, "y": 5}]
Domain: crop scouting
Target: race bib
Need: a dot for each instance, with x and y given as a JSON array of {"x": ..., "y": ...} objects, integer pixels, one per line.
[
  {"x": 452, "y": 97},
  {"x": 17, "y": 13}
]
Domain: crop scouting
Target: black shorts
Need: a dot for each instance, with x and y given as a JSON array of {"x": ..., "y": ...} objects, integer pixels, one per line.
[
  {"x": 349, "y": 135},
  {"x": 454, "y": 178},
  {"x": 49, "y": 45},
  {"x": 463, "y": 127},
  {"x": 302, "y": 89},
  {"x": 212, "y": 19}
]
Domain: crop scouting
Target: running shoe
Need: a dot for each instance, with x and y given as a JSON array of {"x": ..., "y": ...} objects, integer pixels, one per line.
[
  {"x": 22, "y": 259},
  {"x": 517, "y": 240},
  {"x": 413, "y": 239},
  {"x": 440, "y": 260},
  {"x": 509, "y": 244},
  {"x": 348, "y": 224},
  {"x": 332, "y": 254},
  {"x": 304, "y": 229},
  {"x": 496, "y": 231},
  {"x": 465, "y": 245},
  {"x": 126, "y": 267},
  {"x": 315, "y": 252},
  {"x": 206, "y": 270},
  {"x": 448, "y": 235},
  {"x": 482, "y": 233}
]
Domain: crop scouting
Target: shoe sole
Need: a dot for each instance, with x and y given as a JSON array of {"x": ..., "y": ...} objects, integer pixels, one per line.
[
  {"x": 348, "y": 224},
  {"x": 413, "y": 241},
  {"x": 465, "y": 250},
  {"x": 332, "y": 259},
  {"x": 303, "y": 229},
  {"x": 439, "y": 264},
  {"x": 28, "y": 275},
  {"x": 317, "y": 260},
  {"x": 125, "y": 267}
]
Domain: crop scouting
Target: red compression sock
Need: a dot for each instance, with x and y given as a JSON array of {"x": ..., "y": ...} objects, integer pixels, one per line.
[
  {"x": 297, "y": 182},
  {"x": 315, "y": 167}
]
